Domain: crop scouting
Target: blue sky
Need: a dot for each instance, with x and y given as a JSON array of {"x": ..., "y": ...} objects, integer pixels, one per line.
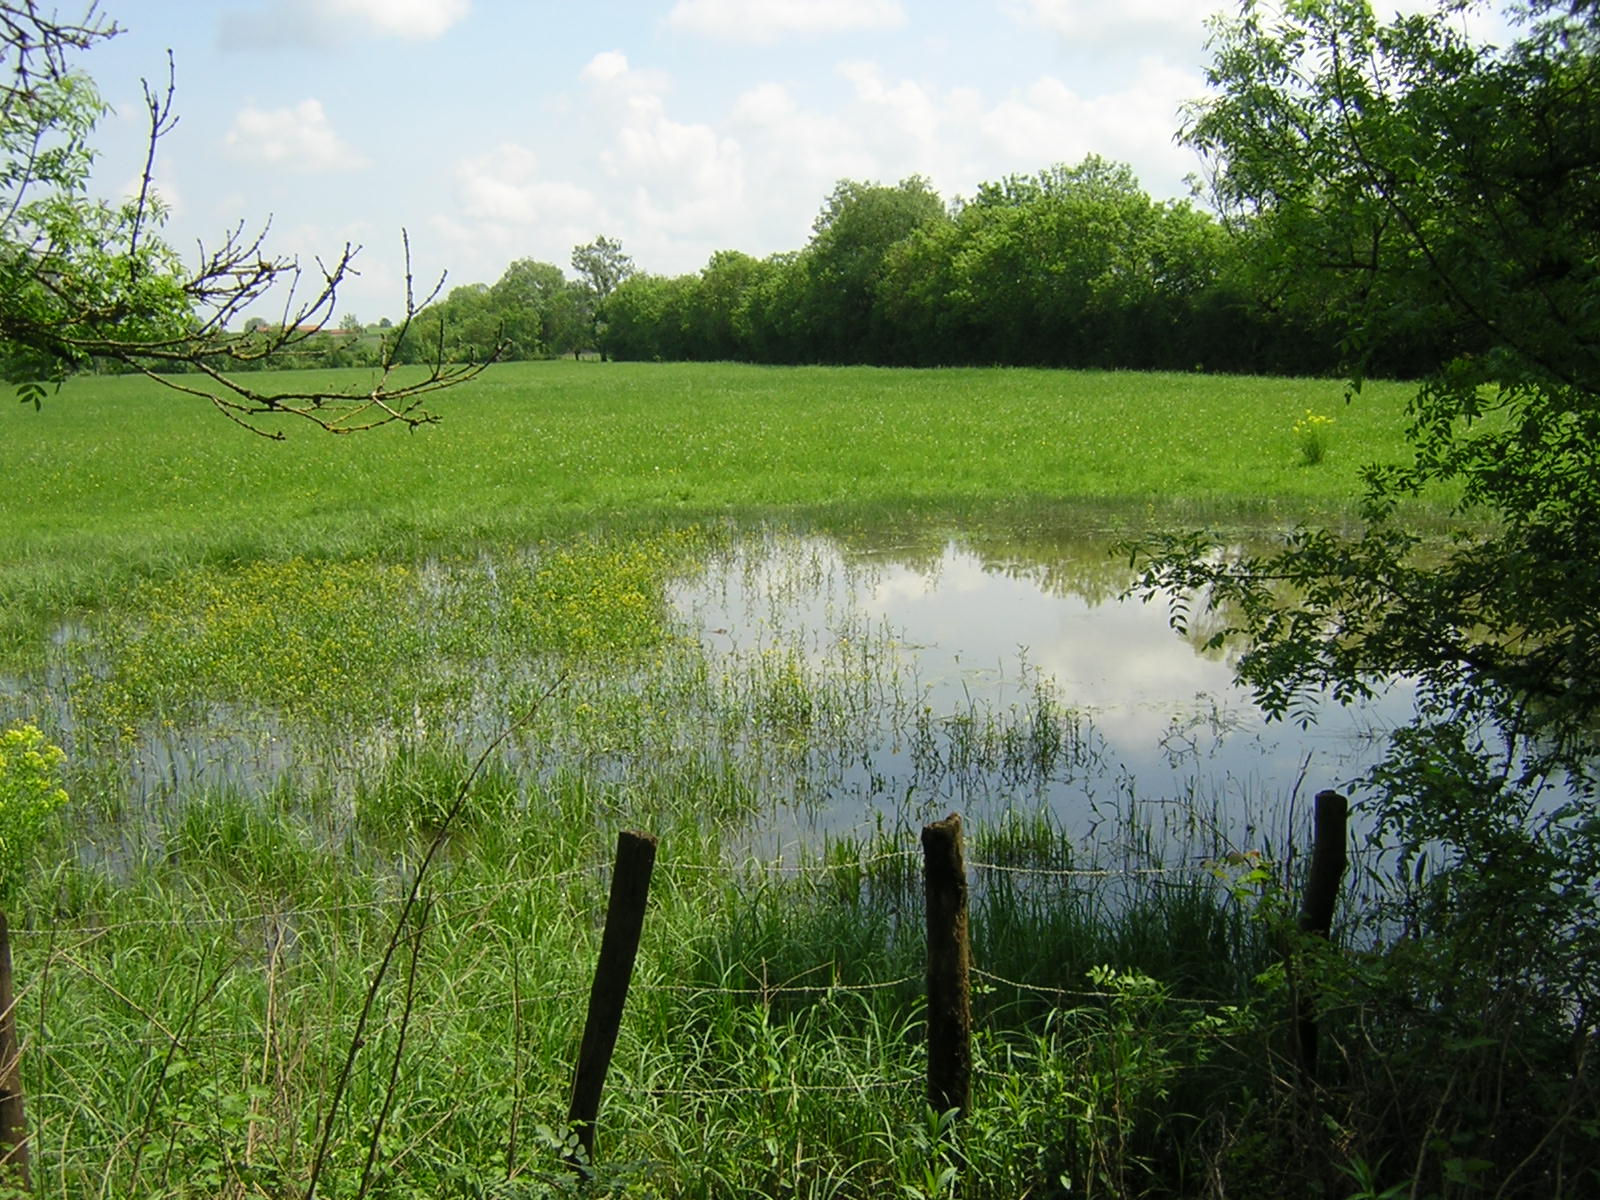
[{"x": 492, "y": 130}]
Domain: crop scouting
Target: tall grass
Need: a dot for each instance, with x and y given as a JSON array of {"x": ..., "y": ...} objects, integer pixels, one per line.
[
  {"x": 188, "y": 1012},
  {"x": 273, "y": 666}
]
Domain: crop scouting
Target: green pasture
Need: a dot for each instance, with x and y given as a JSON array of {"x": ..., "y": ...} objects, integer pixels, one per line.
[
  {"x": 273, "y": 664},
  {"x": 560, "y": 445},
  {"x": 119, "y": 477}
]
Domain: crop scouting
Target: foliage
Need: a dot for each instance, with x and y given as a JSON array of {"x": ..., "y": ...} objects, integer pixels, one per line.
[
  {"x": 84, "y": 280},
  {"x": 1310, "y": 433},
  {"x": 30, "y": 793},
  {"x": 602, "y": 265},
  {"x": 1070, "y": 266},
  {"x": 1073, "y": 266},
  {"x": 1440, "y": 186}
]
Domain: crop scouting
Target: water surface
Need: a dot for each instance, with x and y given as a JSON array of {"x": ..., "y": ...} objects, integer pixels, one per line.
[{"x": 980, "y": 645}]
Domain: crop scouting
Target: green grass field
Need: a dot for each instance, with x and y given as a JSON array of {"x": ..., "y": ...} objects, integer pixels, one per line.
[
  {"x": 118, "y": 476},
  {"x": 271, "y": 664}
]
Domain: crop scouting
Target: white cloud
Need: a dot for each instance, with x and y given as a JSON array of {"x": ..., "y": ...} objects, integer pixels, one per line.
[
  {"x": 1132, "y": 25},
  {"x": 414, "y": 20},
  {"x": 907, "y": 121},
  {"x": 333, "y": 22},
  {"x": 294, "y": 139},
  {"x": 613, "y": 76},
  {"x": 505, "y": 188},
  {"x": 505, "y": 207},
  {"x": 684, "y": 177},
  {"x": 605, "y": 67},
  {"x": 765, "y": 21},
  {"x": 1047, "y": 122},
  {"x": 890, "y": 127},
  {"x": 799, "y": 153}
]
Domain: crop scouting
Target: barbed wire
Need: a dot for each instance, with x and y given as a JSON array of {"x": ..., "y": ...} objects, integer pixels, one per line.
[
  {"x": 1087, "y": 994},
  {"x": 288, "y": 914},
  {"x": 276, "y": 913},
  {"x": 258, "y": 1033},
  {"x": 784, "y": 868},
  {"x": 777, "y": 989},
  {"x": 1091, "y": 872},
  {"x": 834, "y": 1089}
]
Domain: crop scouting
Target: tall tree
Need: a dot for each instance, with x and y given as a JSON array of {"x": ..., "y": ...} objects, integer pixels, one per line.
[
  {"x": 1446, "y": 186},
  {"x": 602, "y": 266},
  {"x": 84, "y": 279},
  {"x": 534, "y": 305},
  {"x": 837, "y": 281},
  {"x": 725, "y": 282}
]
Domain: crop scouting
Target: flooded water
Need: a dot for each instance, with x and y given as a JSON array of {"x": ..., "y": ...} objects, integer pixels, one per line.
[
  {"x": 841, "y": 691},
  {"x": 1019, "y": 685}
]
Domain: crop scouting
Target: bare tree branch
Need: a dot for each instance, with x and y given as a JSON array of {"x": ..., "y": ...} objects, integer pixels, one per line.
[{"x": 84, "y": 280}]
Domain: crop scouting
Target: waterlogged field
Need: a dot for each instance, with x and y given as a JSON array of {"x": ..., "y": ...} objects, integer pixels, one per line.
[{"x": 297, "y": 682}]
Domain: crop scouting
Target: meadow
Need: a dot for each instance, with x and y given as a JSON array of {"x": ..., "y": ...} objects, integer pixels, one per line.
[
  {"x": 117, "y": 476},
  {"x": 352, "y": 725}
]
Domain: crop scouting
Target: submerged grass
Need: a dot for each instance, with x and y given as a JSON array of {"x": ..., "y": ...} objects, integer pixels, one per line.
[{"x": 195, "y": 945}]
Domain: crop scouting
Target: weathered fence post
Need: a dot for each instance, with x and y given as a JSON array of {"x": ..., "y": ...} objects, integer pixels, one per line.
[
  {"x": 13, "y": 1126},
  {"x": 1328, "y": 861},
  {"x": 944, "y": 875},
  {"x": 619, "y": 945}
]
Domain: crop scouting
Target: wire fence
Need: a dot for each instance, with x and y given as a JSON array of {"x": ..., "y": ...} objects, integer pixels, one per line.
[
  {"x": 64, "y": 933},
  {"x": 60, "y": 957}
]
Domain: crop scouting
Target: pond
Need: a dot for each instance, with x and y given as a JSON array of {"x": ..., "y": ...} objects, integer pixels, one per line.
[
  {"x": 1006, "y": 684},
  {"x": 798, "y": 689}
]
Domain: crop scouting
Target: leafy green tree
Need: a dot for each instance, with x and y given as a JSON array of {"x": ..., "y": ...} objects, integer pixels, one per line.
[
  {"x": 836, "y": 282},
  {"x": 916, "y": 299},
  {"x": 765, "y": 320},
  {"x": 465, "y": 326},
  {"x": 725, "y": 283},
  {"x": 528, "y": 298},
  {"x": 648, "y": 316},
  {"x": 1058, "y": 268},
  {"x": 85, "y": 280},
  {"x": 1448, "y": 188},
  {"x": 1456, "y": 185},
  {"x": 602, "y": 266}
]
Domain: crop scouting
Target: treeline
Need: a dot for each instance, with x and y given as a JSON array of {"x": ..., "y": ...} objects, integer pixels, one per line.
[
  {"x": 1072, "y": 267},
  {"x": 532, "y": 311}
]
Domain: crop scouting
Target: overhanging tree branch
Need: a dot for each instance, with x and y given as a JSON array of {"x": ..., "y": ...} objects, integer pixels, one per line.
[{"x": 85, "y": 280}]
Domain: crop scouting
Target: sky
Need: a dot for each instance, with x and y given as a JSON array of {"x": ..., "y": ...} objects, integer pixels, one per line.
[{"x": 492, "y": 130}]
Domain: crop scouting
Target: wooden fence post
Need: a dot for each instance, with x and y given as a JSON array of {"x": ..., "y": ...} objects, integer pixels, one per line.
[
  {"x": 13, "y": 1126},
  {"x": 944, "y": 877},
  {"x": 619, "y": 945},
  {"x": 1328, "y": 861}
]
